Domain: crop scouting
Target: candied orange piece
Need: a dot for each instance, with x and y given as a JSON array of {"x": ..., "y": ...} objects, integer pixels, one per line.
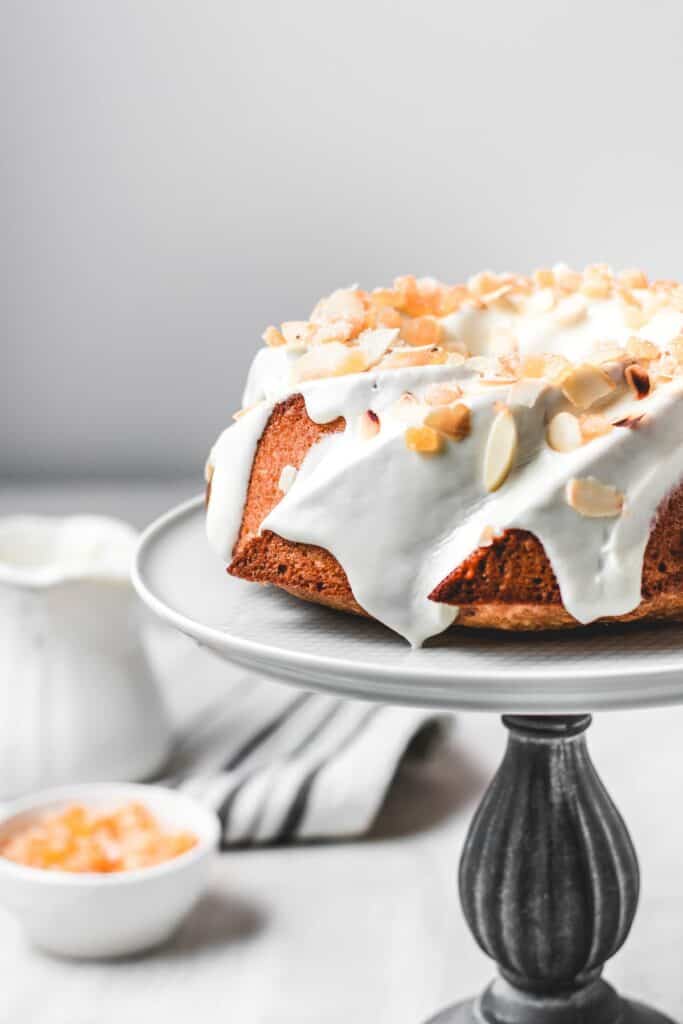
[
  {"x": 424, "y": 439},
  {"x": 272, "y": 337},
  {"x": 384, "y": 316},
  {"x": 383, "y": 298},
  {"x": 346, "y": 305},
  {"x": 81, "y": 840},
  {"x": 408, "y": 297},
  {"x": 452, "y": 298},
  {"x": 421, "y": 331}
]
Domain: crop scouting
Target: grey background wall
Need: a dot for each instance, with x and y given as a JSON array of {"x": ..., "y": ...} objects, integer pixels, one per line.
[{"x": 175, "y": 175}]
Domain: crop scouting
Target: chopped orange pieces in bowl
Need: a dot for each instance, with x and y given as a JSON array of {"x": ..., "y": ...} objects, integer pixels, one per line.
[{"x": 83, "y": 840}]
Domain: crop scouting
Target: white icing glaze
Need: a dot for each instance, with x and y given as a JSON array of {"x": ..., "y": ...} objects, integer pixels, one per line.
[
  {"x": 399, "y": 522},
  {"x": 231, "y": 458}
]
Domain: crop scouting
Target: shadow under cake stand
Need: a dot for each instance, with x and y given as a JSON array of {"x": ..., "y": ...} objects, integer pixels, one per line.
[{"x": 548, "y": 877}]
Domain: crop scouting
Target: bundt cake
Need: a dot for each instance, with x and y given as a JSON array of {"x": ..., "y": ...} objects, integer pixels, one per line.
[{"x": 505, "y": 453}]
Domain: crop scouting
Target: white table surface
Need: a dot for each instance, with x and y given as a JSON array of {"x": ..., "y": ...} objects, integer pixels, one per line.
[{"x": 356, "y": 933}]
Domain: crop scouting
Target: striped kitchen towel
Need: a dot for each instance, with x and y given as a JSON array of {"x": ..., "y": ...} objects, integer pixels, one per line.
[{"x": 283, "y": 765}]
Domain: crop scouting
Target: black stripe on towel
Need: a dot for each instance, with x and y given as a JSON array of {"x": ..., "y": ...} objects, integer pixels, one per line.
[
  {"x": 298, "y": 806},
  {"x": 227, "y": 804},
  {"x": 265, "y": 732}
]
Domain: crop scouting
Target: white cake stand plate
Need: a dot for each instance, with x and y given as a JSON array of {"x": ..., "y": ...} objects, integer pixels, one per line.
[{"x": 548, "y": 877}]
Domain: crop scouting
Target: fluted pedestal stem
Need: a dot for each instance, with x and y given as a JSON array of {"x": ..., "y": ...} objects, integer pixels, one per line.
[{"x": 549, "y": 884}]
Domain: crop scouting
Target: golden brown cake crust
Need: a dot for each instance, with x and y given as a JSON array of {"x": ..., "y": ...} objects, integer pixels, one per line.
[
  {"x": 508, "y": 584},
  {"x": 285, "y": 441}
]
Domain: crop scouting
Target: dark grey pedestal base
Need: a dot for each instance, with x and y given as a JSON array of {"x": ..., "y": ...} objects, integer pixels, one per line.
[
  {"x": 548, "y": 884},
  {"x": 501, "y": 1005}
]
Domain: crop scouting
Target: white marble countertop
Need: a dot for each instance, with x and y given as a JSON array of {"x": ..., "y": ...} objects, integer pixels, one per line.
[{"x": 367, "y": 932}]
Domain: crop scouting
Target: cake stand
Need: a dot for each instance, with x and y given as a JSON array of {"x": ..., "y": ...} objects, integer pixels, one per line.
[{"x": 548, "y": 877}]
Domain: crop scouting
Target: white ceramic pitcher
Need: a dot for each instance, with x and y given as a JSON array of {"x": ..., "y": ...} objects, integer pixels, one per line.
[{"x": 78, "y": 701}]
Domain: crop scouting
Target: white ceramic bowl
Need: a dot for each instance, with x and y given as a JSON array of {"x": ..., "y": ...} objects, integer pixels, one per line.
[{"x": 107, "y": 915}]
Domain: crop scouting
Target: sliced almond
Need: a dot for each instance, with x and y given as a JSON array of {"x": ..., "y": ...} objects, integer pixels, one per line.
[
  {"x": 638, "y": 380},
  {"x": 402, "y": 357},
  {"x": 343, "y": 304},
  {"x": 634, "y": 316},
  {"x": 442, "y": 394},
  {"x": 540, "y": 302},
  {"x": 501, "y": 448},
  {"x": 633, "y": 278},
  {"x": 616, "y": 369},
  {"x": 627, "y": 297},
  {"x": 587, "y": 384},
  {"x": 287, "y": 478},
  {"x": 374, "y": 344},
  {"x": 484, "y": 282},
  {"x": 482, "y": 364},
  {"x": 527, "y": 392},
  {"x": 639, "y": 348},
  {"x": 498, "y": 297},
  {"x": 664, "y": 369},
  {"x": 501, "y": 373},
  {"x": 564, "y": 432},
  {"x": 596, "y": 288},
  {"x": 606, "y": 351},
  {"x": 570, "y": 311},
  {"x": 452, "y": 298},
  {"x": 355, "y": 362},
  {"x": 368, "y": 425},
  {"x": 452, "y": 420},
  {"x": 297, "y": 333},
  {"x": 567, "y": 279},
  {"x": 424, "y": 440},
  {"x": 516, "y": 300},
  {"x": 547, "y": 365},
  {"x": 665, "y": 286},
  {"x": 504, "y": 343},
  {"x": 593, "y": 499},
  {"x": 273, "y": 338},
  {"x": 331, "y": 360},
  {"x": 594, "y": 425},
  {"x": 652, "y": 302},
  {"x": 509, "y": 362},
  {"x": 406, "y": 405},
  {"x": 455, "y": 345},
  {"x": 335, "y": 330}
]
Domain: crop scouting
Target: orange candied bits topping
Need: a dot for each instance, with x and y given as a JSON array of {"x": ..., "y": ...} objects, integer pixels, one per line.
[
  {"x": 79, "y": 839},
  {"x": 413, "y": 303},
  {"x": 352, "y": 331}
]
